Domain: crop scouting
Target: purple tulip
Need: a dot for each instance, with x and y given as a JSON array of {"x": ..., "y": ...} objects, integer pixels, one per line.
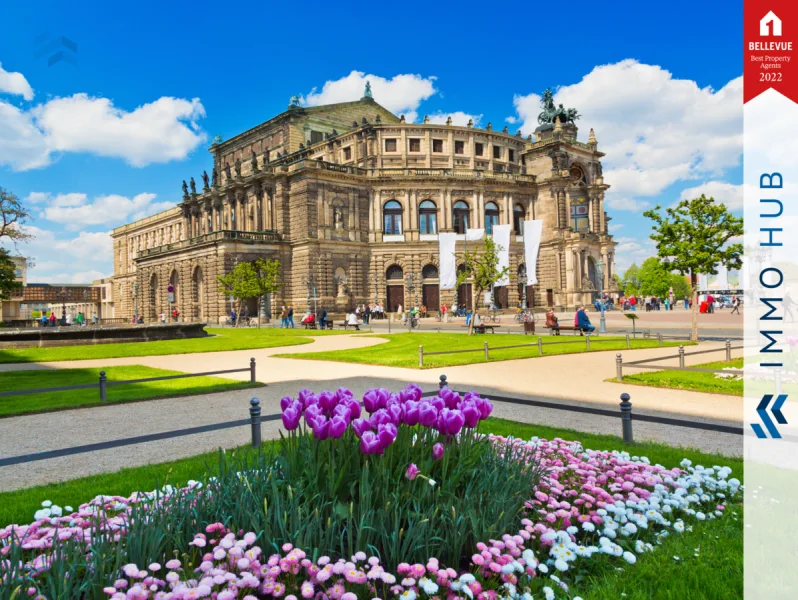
[
  {"x": 321, "y": 428},
  {"x": 360, "y": 426},
  {"x": 383, "y": 396},
  {"x": 427, "y": 414},
  {"x": 291, "y": 418},
  {"x": 438, "y": 403},
  {"x": 485, "y": 408},
  {"x": 370, "y": 443},
  {"x": 450, "y": 422},
  {"x": 411, "y": 413},
  {"x": 437, "y": 451},
  {"x": 371, "y": 401},
  {"x": 306, "y": 397},
  {"x": 343, "y": 392},
  {"x": 396, "y": 413},
  {"x": 338, "y": 426},
  {"x": 327, "y": 401},
  {"x": 354, "y": 408},
  {"x": 387, "y": 434},
  {"x": 416, "y": 392},
  {"x": 412, "y": 472},
  {"x": 312, "y": 413},
  {"x": 381, "y": 417},
  {"x": 285, "y": 402},
  {"x": 342, "y": 411},
  {"x": 471, "y": 414}
]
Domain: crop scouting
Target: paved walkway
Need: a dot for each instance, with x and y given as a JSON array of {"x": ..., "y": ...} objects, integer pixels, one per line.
[{"x": 568, "y": 379}]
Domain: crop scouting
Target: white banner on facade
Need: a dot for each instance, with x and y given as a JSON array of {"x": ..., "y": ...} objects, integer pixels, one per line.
[
  {"x": 533, "y": 232},
  {"x": 447, "y": 260},
  {"x": 722, "y": 281},
  {"x": 501, "y": 235},
  {"x": 703, "y": 285},
  {"x": 474, "y": 235}
]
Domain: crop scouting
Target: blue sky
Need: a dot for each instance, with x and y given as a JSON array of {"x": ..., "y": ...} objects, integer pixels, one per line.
[{"x": 93, "y": 145}]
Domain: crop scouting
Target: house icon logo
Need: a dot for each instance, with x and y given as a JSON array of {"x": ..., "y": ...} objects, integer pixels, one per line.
[{"x": 769, "y": 25}]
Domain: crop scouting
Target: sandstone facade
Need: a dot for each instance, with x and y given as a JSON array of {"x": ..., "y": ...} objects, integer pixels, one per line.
[{"x": 350, "y": 199}]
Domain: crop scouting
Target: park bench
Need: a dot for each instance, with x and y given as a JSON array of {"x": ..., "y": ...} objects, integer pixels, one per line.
[
  {"x": 483, "y": 328},
  {"x": 556, "y": 330},
  {"x": 346, "y": 325}
]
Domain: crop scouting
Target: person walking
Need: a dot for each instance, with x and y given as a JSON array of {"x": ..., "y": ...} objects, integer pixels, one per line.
[
  {"x": 175, "y": 315},
  {"x": 710, "y": 304},
  {"x": 735, "y": 305},
  {"x": 283, "y": 318},
  {"x": 290, "y": 316},
  {"x": 95, "y": 319},
  {"x": 633, "y": 303},
  {"x": 52, "y": 318},
  {"x": 399, "y": 312},
  {"x": 163, "y": 318},
  {"x": 44, "y": 319}
]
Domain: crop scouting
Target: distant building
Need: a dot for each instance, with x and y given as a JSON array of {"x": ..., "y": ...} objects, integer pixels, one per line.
[{"x": 11, "y": 309}]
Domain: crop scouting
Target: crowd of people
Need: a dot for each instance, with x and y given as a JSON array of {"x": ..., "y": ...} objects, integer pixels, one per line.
[{"x": 79, "y": 319}]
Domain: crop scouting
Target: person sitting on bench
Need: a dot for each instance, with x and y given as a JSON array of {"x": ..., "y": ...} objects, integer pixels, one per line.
[
  {"x": 351, "y": 319},
  {"x": 552, "y": 322},
  {"x": 583, "y": 322},
  {"x": 309, "y": 320}
]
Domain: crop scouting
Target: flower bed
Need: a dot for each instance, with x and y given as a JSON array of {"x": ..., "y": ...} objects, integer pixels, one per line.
[{"x": 410, "y": 501}]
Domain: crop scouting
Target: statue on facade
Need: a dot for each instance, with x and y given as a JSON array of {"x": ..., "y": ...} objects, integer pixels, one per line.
[
  {"x": 266, "y": 157},
  {"x": 254, "y": 161},
  {"x": 185, "y": 190},
  {"x": 227, "y": 174},
  {"x": 193, "y": 185},
  {"x": 205, "y": 186},
  {"x": 294, "y": 102},
  {"x": 338, "y": 218},
  {"x": 238, "y": 167},
  {"x": 551, "y": 113},
  {"x": 587, "y": 284},
  {"x": 367, "y": 91}
]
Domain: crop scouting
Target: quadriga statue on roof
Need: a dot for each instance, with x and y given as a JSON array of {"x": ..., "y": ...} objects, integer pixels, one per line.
[{"x": 551, "y": 112}]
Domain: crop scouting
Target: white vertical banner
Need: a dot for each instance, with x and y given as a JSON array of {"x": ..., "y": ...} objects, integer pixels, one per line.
[
  {"x": 533, "y": 232},
  {"x": 722, "y": 282},
  {"x": 474, "y": 235},
  {"x": 447, "y": 260},
  {"x": 501, "y": 235},
  {"x": 703, "y": 284}
]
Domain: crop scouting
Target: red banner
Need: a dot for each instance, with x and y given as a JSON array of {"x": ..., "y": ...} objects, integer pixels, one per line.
[{"x": 770, "y": 37}]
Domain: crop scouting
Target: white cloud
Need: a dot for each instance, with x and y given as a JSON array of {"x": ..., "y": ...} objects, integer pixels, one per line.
[
  {"x": 73, "y": 199},
  {"x": 615, "y": 227},
  {"x": 458, "y": 118},
  {"x": 75, "y": 212},
  {"x": 15, "y": 83},
  {"x": 626, "y": 203},
  {"x": 158, "y": 132},
  {"x": 727, "y": 193},
  {"x": 655, "y": 129},
  {"x": 77, "y": 259},
  {"x": 401, "y": 94}
]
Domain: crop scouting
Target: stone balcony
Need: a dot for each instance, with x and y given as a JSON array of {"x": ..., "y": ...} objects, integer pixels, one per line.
[{"x": 246, "y": 237}]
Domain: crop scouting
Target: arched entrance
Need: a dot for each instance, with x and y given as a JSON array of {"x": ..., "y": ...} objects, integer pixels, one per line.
[
  {"x": 395, "y": 288},
  {"x": 592, "y": 273},
  {"x": 430, "y": 290},
  {"x": 174, "y": 295},
  {"x": 464, "y": 292},
  {"x": 197, "y": 294}
]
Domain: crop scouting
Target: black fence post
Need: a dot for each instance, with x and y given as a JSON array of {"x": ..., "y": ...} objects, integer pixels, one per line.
[
  {"x": 626, "y": 419},
  {"x": 659, "y": 337},
  {"x": 103, "y": 391},
  {"x": 254, "y": 415},
  {"x": 443, "y": 383},
  {"x": 619, "y": 367},
  {"x": 681, "y": 356},
  {"x": 252, "y": 370},
  {"x": 728, "y": 350}
]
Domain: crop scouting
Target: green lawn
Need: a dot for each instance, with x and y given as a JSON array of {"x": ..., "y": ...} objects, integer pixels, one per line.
[
  {"x": 685, "y": 380},
  {"x": 26, "y": 380},
  {"x": 402, "y": 348},
  {"x": 716, "y": 574},
  {"x": 219, "y": 340}
]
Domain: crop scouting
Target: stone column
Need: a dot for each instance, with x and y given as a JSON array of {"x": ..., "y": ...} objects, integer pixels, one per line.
[
  {"x": 570, "y": 271},
  {"x": 508, "y": 215},
  {"x": 411, "y": 209}
]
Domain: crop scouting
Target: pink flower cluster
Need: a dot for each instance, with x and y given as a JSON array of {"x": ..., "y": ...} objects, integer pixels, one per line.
[{"x": 329, "y": 414}]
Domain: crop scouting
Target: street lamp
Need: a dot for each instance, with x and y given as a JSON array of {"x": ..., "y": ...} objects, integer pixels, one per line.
[
  {"x": 135, "y": 302},
  {"x": 62, "y": 295},
  {"x": 522, "y": 281},
  {"x": 600, "y": 269},
  {"x": 410, "y": 284}
]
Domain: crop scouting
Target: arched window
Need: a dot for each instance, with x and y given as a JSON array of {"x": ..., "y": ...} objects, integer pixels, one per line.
[
  {"x": 394, "y": 272},
  {"x": 429, "y": 272},
  {"x": 427, "y": 217},
  {"x": 460, "y": 214},
  {"x": 392, "y": 218},
  {"x": 491, "y": 216},
  {"x": 518, "y": 219}
]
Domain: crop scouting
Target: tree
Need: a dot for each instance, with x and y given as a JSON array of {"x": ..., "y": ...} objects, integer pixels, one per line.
[
  {"x": 12, "y": 217},
  {"x": 483, "y": 270},
  {"x": 248, "y": 280},
  {"x": 655, "y": 278},
  {"x": 693, "y": 238},
  {"x": 630, "y": 283},
  {"x": 8, "y": 275}
]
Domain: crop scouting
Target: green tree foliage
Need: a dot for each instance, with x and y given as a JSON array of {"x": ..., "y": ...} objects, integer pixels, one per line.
[
  {"x": 657, "y": 280},
  {"x": 482, "y": 271},
  {"x": 630, "y": 284},
  {"x": 8, "y": 277},
  {"x": 694, "y": 238},
  {"x": 252, "y": 279}
]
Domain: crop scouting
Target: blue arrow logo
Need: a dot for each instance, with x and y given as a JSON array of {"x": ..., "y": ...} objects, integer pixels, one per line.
[{"x": 762, "y": 410}]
